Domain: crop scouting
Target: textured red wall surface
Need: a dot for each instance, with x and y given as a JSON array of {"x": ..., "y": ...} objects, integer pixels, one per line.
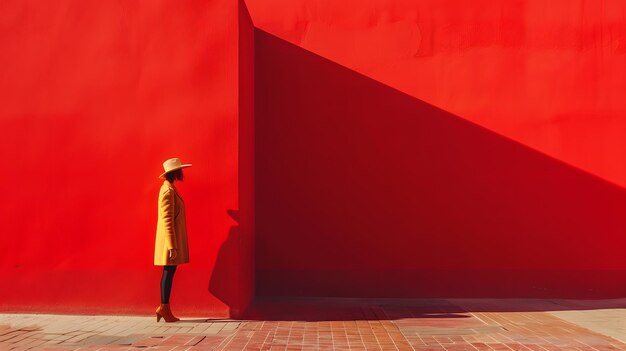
[
  {"x": 94, "y": 97},
  {"x": 245, "y": 288},
  {"x": 422, "y": 148}
]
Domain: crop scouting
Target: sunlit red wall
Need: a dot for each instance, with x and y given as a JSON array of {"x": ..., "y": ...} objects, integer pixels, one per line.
[
  {"x": 440, "y": 148},
  {"x": 404, "y": 148},
  {"x": 94, "y": 96}
]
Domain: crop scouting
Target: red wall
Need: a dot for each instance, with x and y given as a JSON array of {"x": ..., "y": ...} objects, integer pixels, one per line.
[
  {"x": 549, "y": 75},
  {"x": 245, "y": 288},
  {"x": 432, "y": 148},
  {"x": 440, "y": 148},
  {"x": 94, "y": 97}
]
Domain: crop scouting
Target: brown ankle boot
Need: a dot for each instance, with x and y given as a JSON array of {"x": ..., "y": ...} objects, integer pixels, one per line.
[{"x": 163, "y": 311}]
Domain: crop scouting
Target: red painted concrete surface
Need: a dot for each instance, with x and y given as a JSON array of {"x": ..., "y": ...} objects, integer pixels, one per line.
[
  {"x": 432, "y": 148},
  {"x": 440, "y": 148},
  {"x": 94, "y": 97},
  {"x": 548, "y": 75}
]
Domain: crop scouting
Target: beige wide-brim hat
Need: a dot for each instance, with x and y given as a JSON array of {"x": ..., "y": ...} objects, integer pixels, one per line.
[{"x": 173, "y": 164}]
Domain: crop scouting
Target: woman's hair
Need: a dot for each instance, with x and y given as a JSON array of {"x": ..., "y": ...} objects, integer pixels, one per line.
[{"x": 173, "y": 175}]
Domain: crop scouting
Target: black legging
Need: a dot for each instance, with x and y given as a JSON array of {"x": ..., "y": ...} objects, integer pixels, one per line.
[{"x": 166, "y": 283}]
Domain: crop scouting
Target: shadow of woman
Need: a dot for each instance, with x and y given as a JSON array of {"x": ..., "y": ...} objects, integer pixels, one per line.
[{"x": 223, "y": 279}]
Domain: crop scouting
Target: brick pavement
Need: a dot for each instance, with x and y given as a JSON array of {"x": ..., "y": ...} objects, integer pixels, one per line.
[{"x": 341, "y": 324}]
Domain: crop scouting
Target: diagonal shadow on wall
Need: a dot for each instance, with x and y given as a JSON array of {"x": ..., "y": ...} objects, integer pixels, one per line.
[{"x": 362, "y": 190}]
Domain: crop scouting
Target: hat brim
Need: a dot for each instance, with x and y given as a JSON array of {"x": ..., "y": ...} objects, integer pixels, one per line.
[{"x": 173, "y": 169}]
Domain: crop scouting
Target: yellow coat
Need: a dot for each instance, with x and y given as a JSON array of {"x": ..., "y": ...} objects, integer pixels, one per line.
[{"x": 171, "y": 230}]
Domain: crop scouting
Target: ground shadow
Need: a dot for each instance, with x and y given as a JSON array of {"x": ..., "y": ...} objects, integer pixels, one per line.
[
  {"x": 364, "y": 191},
  {"x": 436, "y": 310},
  {"x": 320, "y": 309},
  {"x": 203, "y": 320}
]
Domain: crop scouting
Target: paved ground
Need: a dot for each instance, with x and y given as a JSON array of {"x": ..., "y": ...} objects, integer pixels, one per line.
[{"x": 341, "y": 324}]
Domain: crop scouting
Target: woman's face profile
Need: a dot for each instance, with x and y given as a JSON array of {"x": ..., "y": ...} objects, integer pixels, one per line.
[{"x": 180, "y": 175}]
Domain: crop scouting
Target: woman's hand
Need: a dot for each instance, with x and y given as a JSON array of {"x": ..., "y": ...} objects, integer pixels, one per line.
[{"x": 172, "y": 254}]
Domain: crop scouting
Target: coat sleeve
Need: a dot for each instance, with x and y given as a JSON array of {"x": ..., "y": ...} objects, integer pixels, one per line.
[{"x": 167, "y": 216}]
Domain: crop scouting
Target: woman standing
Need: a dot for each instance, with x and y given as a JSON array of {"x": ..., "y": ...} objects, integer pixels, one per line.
[{"x": 170, "y": 248}]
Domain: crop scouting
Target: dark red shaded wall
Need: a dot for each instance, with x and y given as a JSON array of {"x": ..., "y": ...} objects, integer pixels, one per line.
[
  {"x": 482, "y": 157},
  {"x": 94, "y": 96},
  {"x": 550, "y": 75}
]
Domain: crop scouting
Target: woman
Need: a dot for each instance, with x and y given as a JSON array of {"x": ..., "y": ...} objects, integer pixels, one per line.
[{"x": 170, "y": 248}]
